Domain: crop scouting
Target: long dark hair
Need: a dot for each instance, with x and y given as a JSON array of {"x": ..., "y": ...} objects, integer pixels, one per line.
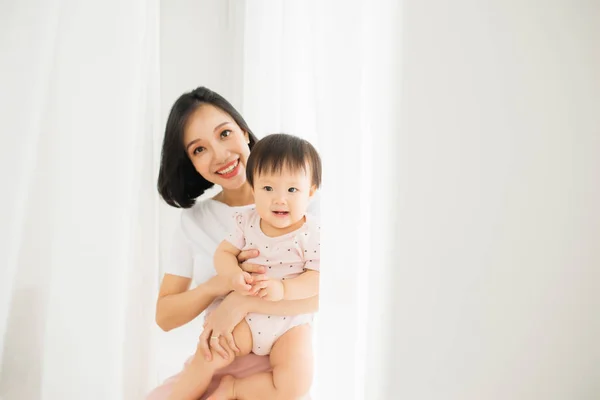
[{"x": 179, "y": 184}]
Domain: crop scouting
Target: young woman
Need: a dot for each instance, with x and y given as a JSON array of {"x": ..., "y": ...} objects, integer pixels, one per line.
[{"x": 207, "y": 142}]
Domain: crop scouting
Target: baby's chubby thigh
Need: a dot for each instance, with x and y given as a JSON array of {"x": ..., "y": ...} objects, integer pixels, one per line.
[
  {"x": 242, "y": 335},
  {"x": 292, "y": 361}
]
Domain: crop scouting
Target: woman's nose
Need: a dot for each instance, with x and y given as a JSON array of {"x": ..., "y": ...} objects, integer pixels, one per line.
[{"x": 221, "y": 153}]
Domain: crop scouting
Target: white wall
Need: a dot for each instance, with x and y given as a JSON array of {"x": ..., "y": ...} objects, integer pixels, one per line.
[{"x": 499, "y": 236}]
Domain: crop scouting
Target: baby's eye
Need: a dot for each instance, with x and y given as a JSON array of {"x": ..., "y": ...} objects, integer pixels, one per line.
[
  {"x": 268, "y": 188},
  {"x": 292, "y": 190},
  {"x": 225, "y": 133}
]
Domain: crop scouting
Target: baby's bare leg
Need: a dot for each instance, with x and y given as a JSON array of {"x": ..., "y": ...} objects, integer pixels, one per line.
[
  {"x": 292, "y": 362},
  {"x": 197, "y": 375}
]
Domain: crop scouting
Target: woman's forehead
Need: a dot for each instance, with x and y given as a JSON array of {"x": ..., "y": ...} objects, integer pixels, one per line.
[{"x": 205, "y": 120}]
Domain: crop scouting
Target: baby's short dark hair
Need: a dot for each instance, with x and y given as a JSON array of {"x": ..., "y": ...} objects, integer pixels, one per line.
[{"x": 275, "y": 152}]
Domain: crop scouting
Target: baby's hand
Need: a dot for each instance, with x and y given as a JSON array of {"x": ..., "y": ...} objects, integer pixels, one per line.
[
  {"x": 270, "y": 289},
  {"x": 241, "y": 282}
]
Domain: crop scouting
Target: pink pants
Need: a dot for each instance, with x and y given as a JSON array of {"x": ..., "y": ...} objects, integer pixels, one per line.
[{"x": 240, "y": 368}]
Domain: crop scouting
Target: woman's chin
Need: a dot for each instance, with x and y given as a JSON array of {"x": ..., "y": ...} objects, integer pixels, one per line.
[{"x": 233, "y": 183}]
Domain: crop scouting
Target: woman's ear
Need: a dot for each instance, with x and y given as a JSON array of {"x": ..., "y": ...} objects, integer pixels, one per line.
[{"x": 247, "y": 137}]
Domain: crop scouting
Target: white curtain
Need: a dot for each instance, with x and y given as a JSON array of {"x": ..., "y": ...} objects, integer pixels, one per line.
[
  {"x": 460, "y": 144},
  {"x": 460, "y": 148},
  {"x": 330, "y": 72},
  {"x": 78, "y": 252}
]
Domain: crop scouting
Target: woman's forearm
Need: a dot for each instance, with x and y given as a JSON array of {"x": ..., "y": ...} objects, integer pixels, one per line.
[
  {"x": 175, "y": 310},
  {"x": 283, "y": 307}
]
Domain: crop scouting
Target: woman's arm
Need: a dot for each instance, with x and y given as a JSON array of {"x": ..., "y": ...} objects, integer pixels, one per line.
[
  {"x": 282, "y": 308},
  {"x": 176, "y": 305},
  {"x": 236, "y": 304}
]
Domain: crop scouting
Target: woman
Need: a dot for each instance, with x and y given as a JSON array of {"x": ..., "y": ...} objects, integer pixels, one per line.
[{"x": 207, "y": 142}]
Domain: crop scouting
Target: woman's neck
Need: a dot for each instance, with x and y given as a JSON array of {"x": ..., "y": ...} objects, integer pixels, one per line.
[{"x": 236, "y": 197}]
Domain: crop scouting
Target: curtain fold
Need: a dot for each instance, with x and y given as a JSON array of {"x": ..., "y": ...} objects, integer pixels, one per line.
[
  {"x": 329, "y": 71},
  {"x": 80, "y": 267}
]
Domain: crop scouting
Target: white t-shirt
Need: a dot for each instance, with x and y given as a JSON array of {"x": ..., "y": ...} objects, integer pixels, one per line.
[{"x": 199, "y": 233}]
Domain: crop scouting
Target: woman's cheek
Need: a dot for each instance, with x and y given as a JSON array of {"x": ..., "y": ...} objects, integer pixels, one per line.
[{"x": 205, "y": 165}]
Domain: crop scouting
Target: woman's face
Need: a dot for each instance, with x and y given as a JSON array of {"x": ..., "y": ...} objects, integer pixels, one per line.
[{"x": 217, "y": 146}]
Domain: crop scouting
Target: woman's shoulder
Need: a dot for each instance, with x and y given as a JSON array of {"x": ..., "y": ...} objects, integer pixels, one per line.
[
  {"x": 203, "y": 209},
  {"x": 211, "y": 215},
  {"x": 202, "y": 216}
]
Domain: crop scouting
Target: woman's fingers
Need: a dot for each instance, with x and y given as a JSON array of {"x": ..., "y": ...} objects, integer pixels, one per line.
[
  {"x": 262, "y": 293},
  {"x": 215, "y": 343},
  {"x": 247, "y": 254},
  {"x": 253, "y": 268},
  {"x": 229, "y": 338},
  {"x": 204, "y": 345},
  {"x": 259, "y": 278}
]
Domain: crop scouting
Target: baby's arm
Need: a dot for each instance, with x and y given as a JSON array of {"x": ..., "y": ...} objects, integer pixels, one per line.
[
  {"x": 227, "y": 266},
  {"x": 301, "y": 287}
]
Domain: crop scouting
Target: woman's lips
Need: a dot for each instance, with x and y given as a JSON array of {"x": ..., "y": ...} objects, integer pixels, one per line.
[{"x": 230, "y": 170}]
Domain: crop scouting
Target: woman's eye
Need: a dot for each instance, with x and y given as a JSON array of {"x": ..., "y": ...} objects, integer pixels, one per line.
[
  {"x": 198, "y": 150},
  {"x": 292, "y": 190},
  {"x": 268, "y": 188},
  {"x": 225, "y": 133}
]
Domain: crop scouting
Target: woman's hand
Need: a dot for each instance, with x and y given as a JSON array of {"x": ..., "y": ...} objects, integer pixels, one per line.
[
  {"x": 250, "y": 268},
  {"x": 220, "y": 323},
  {"x": 241, "y": 282},
  {"x": 248, "y": 275},
  {"x": 230, "y": 312}
]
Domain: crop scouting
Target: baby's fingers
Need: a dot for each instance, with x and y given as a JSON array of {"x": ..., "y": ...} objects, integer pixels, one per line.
[{"x": 258, "y": 286}]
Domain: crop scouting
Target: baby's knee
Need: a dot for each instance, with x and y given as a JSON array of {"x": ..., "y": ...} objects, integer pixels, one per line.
[
  {"x": 216, "y": 360},
  {"x": 294, "y": 389},
  {"x": 285, "y": 395}
]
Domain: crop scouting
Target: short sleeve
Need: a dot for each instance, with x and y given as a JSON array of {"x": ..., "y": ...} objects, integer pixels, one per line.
[
  {"x": 237, "y": 237},
  {"x": 312, "y": 246},
  {"x": 180, "y": 260}
]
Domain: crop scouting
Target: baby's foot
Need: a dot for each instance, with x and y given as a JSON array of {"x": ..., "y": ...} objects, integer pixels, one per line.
[{"x": 225, "y": 389}]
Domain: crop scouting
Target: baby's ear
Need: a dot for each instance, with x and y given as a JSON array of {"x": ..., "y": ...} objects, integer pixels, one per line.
[{"x": 312, "y": 191}]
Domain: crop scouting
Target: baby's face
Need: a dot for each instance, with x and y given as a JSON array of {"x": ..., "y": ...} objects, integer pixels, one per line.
[{"x": 282, "y": 198}]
